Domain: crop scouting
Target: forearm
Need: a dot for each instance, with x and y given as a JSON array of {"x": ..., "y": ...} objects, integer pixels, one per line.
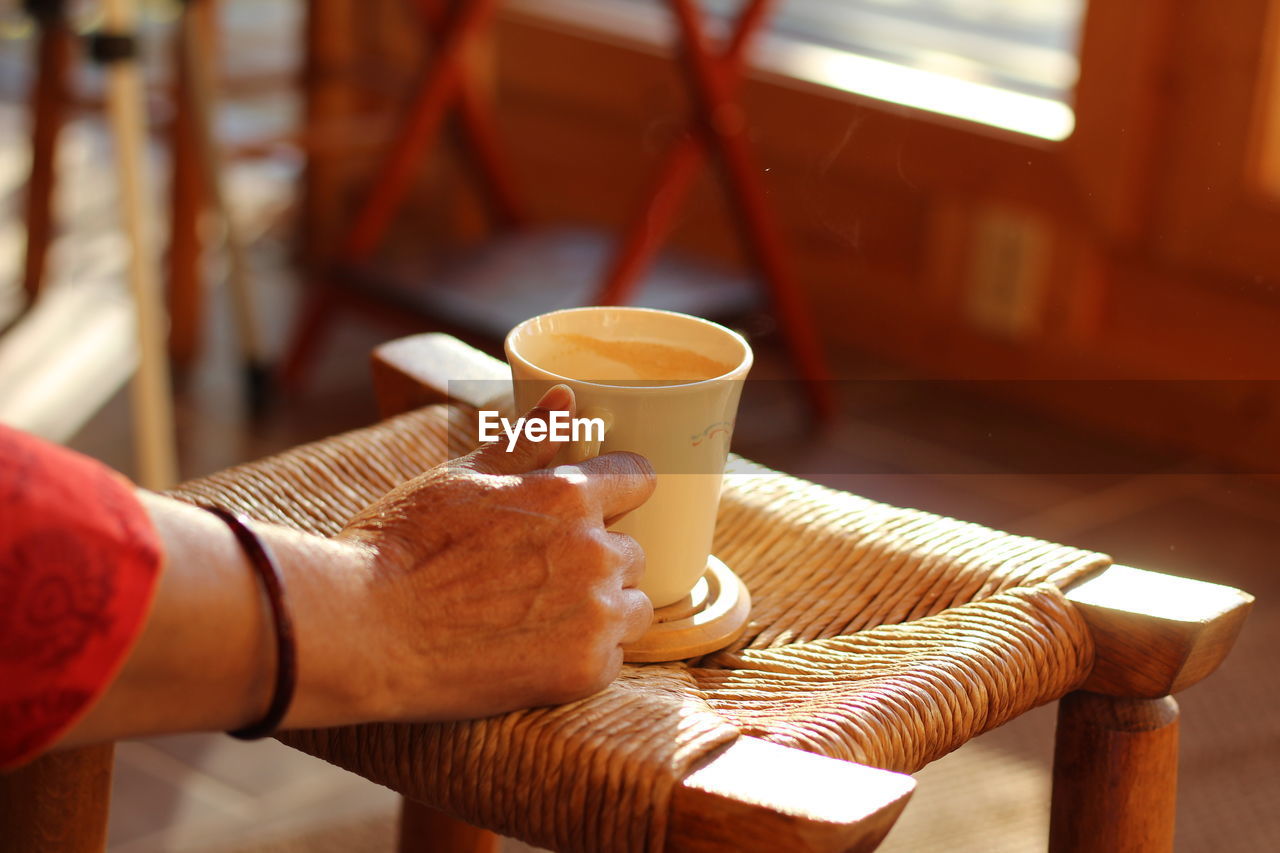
[
  {"x": 206, "y": 659},
  {"x": 484, "y": 585}
]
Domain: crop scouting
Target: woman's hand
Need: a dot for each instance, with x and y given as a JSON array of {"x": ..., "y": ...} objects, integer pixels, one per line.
[
  {"x": 484, "y": 585},
  {"x": 494, "y": 584}
]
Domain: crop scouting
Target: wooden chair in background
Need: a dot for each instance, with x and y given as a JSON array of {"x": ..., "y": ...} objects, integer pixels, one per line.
[
  {"x": 717, "y": 129},
  {"x": 196, "y": 177},
  {"x": 447, "y": 85},
  {"x": 115, "y": 48}
]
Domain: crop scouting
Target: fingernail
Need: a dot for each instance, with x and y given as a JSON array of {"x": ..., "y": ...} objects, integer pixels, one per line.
[{"x": 559, "y": 398}]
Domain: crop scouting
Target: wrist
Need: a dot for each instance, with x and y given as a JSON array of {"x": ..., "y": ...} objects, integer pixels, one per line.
[
  {"x": 328, "y": 583},
  {"x": 204, "y": 659}
]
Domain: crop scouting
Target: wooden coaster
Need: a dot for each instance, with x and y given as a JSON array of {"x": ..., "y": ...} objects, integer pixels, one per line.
[{"x": 710, "y": 617}]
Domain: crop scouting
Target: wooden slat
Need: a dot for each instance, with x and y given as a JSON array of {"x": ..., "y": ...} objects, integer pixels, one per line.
[
  {"x": 1156, "y": 634},
  {"x": 758, "y": 796},
  {"x": 423, "y": 369}
]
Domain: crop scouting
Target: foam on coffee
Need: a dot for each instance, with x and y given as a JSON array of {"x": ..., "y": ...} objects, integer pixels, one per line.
[{"x": 599, "y": 360}]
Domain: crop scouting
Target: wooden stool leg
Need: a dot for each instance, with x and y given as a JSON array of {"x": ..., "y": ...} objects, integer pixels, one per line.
[
  {"x": 198, "y": 69},
  {"x": 1115, "y": 775},
  {"x": 58, "y": 803},
  {"x": 426, "y": 830}
]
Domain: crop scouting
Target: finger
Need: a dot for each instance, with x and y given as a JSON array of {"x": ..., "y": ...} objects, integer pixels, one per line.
[
  {"x": 632, "y": 558},
  {"x": 617, "y": 483},
  {"x": 501, "y": 457},
  {"x": 637, "y": 614}
]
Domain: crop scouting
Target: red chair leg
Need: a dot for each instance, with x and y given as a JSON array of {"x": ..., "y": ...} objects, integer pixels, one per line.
[
  {"x": 444, "y": 83},
  {"x": 480, "y": 149},
  {"x": 309, "y": 328},
  {"x": 478, "y": 132},
  {"x": 657, "y": 211},
  {"x": 393, "y": 178},
  {"x": 187, "y": 203},
  {"x": 652, "y": 222},
  {"x": 761, "y": 234},
  {"x": 48, "y": 105}
]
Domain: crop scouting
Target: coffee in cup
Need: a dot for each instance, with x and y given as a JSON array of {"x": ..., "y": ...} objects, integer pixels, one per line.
[{"x": 666, "y": 386}]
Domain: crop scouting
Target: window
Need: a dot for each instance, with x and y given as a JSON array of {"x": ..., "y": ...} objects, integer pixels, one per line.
[
  {"x": 1007, "y": 63},
  {"x": 1267, "y": 144}
]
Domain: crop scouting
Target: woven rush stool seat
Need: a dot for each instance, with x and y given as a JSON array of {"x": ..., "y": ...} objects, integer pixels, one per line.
[{"x": 881, "y": 635}]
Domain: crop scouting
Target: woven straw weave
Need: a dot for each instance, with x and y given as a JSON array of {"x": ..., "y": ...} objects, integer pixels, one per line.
[{"x": 881, "y": 635}]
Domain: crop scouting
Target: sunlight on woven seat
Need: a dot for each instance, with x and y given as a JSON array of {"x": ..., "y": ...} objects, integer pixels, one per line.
[{"x": 882, "y": 635}]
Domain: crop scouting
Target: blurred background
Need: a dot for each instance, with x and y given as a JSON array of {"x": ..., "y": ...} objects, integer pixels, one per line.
[{"x": 1009, "y": 260}]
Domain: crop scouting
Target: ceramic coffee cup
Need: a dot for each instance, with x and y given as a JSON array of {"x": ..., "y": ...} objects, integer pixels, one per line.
[{"x": 665, "y": 386}]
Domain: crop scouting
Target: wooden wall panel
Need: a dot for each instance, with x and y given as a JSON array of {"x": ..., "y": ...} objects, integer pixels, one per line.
[{"x": 1214, "y": 212}]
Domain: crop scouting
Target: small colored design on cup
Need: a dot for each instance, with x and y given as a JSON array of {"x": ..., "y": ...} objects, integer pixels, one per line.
[{"x": 712, "y": 430}]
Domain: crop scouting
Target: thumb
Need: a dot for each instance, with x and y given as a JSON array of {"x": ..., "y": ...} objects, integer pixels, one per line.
[{"x": 526, "y": 455}]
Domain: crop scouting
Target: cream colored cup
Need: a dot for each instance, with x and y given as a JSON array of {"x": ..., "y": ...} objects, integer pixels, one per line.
[{"x": 682, "y": 429}]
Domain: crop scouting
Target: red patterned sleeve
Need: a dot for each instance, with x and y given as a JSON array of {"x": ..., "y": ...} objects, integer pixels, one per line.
[{"x": 79, "y": 560}]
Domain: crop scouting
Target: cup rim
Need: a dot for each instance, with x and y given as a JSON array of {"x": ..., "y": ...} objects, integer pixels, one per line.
[{"x": 741, "y": 368}]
